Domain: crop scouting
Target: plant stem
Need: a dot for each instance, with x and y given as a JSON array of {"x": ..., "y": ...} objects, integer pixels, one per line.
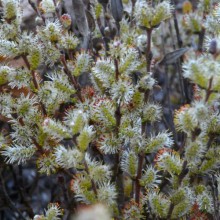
[
  {"x": 72, "y": 79},
  {"x": 32, "y": 72},
  {"x": 39, "y": 147},
  {"x": 214, "y": 188},
  {"x": 117, "y": 172},
  {"x": 184, "y": 172},
  {"x": 116, "y": 69},
  {"x": 148, "y": 50},
  {"x": 36, "y": 86},
  {"x": 139, "y": 174},
  {"x": 209, "y": 90},
  {"x": 120, "y": 184},
  {"x": 176, "y": 26},
  {"x": 34, "y": 79},
  {"x": 118, "y": 28},
  {"x": 201, "y": 40},
  {"x": 56, "y": 10},
  {"x": 180, "y": 178},
  {"x": 118, "y": 118},
  {"x": 132, "y": 11},
  {"x": 170, "y": 210},
  {"x": 92, "y": 181},
  {"x": 35, "y": 8}
]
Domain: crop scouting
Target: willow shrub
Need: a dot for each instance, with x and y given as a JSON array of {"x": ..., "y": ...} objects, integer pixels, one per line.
[{"x": 120, "y": 154}]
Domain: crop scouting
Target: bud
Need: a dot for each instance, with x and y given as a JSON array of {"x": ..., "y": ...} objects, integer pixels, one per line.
[
  {"x": 4, "y": 74},
  {"x": 38, "y": 217},
  {"x": 66, "y": 21},
  {"x": 34, "y": 58},
  {"x": 107, "y": 31},
  {"x": 85, "y": 138},
  {"x": 147, "y": 82},
  {"x": 151, "y": 17},
  {"x": 10, "y": 9},
  {"x": 39, "y": 21},
  {"x": 142, "y": 42},
  {"x": 117, "y": 43},
  {"x": 187, "y": 7},
  {"x": 94, "y": 212},
  {"x": 52, "y": 31},
  {"x": 213, "y": 46},
  {"x": 47, "y": 6}
]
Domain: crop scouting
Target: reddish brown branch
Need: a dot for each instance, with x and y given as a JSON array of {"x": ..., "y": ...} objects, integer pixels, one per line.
[{"x": 209, "y": 90}]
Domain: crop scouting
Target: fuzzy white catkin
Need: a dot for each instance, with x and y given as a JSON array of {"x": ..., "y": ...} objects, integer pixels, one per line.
[{"x": 96, "y": 212}]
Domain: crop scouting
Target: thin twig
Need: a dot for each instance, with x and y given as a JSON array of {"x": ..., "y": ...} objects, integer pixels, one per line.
[
  {"x": 32, "y": 4},
  {"x": 209, "y": 90},
  {"x": 148, "y": 50},
  {"x": 118, "y": 118},
  {"x": 116, "y": 69},
  {"x": 139, "y": 174},
  {"x": 71, "y": 78},
  {"x": 32, "y": 72},
  {"x": 215, "y": 197},
  {"x": 24, "y": 57},
  {"x": 176, "y": 26},
  {"x": 201, "y": 40}
]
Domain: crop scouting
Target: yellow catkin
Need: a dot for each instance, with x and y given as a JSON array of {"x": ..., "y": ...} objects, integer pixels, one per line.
[{"x": 187, "y": 7}]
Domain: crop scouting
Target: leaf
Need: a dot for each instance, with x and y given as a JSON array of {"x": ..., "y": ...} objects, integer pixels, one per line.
[
  {"x": 172, "y": 57},
  {"x": 117, "y": 10},
  {"x": 103, "y": 1},
  {"x": 90, "y": 20},
  {"x": 80, "y": 15}
]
